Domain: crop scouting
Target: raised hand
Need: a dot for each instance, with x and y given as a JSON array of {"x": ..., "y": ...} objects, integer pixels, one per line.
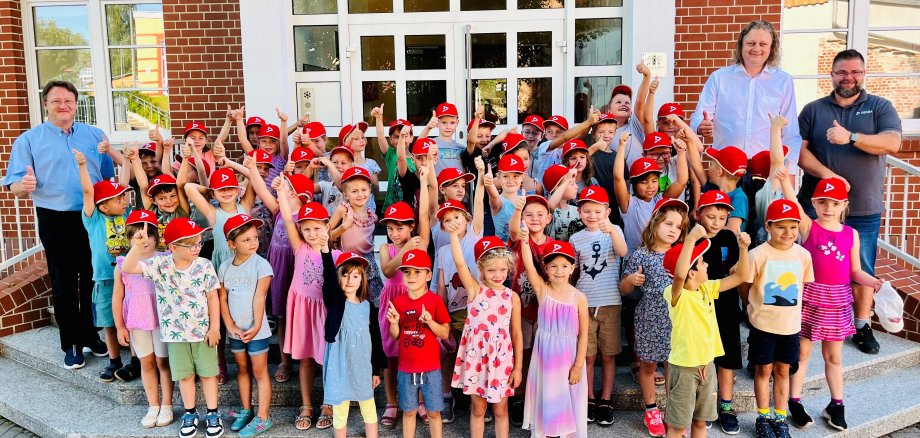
[
  {"x": 280, "y": 185},
  {"x": 413, "y": 243},
  {"x": 679, "y": 144},
  {"x": 249, "y": 162},
  {"x": 744, "y": 240},
  {"x": 488, "y": 180},
  {"x": 433, "y": 121},
  {"x": 423, "y": 173},
  {"x": 601, "y": 146},
  {"x": 593, "y": 115},
  {"x": 377, "y": 112},
  {"x": 289, "y": 167},
  {"x": 219, "y": 150},
  {"x": 643, "y": 69},
  {"x": 624, "y": 137},
  {"x": 154, "y": 134},
  {"x": 347, "y": 221},
  {"x": 696, "y": 233},
  {"x": 186, "y": 149},
  {"x": 298, "y": 137},
  {"x": 28, "y": 183},
  {"x": 480, "y": 165},
  {"x": 281, "y": 116},
  {"x": 130, "y": 153},
  {"x": 392, "y": 314},
  {"x": 480, "y": 110},
  {"x": 304, "y": 120},
  {"x": 103, "y": 146},
  {"x": 637, "y": 278},
  {"x": 777, "y": 121},
  {"x": 521, "y": 200},
  {"x": 453, "y": 228},
  {"x": 705, "y": 127},
  {"x": 653, "y": 86},
  {"x": 838, "y": 134},
  {"x": 424, "y": 317},
  {"x": 81, "y": 159}
]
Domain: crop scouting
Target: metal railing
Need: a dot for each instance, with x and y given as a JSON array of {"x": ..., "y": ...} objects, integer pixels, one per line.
[
  {"x": 15, "y": 246},
  {"x": 898, "y": 219}
]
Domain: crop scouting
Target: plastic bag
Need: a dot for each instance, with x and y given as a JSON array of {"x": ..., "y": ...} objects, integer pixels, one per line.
[{"x": 889, "y": 307}]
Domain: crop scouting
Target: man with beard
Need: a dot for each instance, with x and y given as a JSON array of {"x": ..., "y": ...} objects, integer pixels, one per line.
[{"x": 847, "y": 135}]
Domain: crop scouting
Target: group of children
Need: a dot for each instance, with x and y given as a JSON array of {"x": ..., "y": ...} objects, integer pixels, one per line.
[{"x": 498, "y": 281}]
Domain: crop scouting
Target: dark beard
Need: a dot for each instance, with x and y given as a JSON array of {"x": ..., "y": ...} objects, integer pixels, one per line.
[{"x": 847, "y": 92}]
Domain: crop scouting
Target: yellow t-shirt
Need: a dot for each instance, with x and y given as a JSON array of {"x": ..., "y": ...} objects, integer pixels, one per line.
[
  {"x": 777, "y": 277},
  {"x": 695, "y": 338}
]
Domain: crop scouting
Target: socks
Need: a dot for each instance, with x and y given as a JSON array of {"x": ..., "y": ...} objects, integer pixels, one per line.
[
  {"x": 651, "y": 406},
  {"x": 212, "y": 411},
  {"x": 725, "y": 405},
  {"x": 764, "y": 412},
  {"x": 835, "y": 401},
  {"x": 780, "y": 414},
  {"x": 191, "y": 411},
  {"x": 115, "y": 362},
  {"x": 795, "y": 400},
  {"x": 860, "y": 323}
]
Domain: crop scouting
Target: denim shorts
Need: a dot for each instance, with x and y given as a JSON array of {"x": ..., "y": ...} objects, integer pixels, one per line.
[
  {"x": 102, "y": 303},
  {"x": 409, "y": 384},
  {"x": 254, "y": 347}
]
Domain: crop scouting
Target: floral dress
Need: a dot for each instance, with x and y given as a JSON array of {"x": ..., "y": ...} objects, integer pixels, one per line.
[
  {"x": 485, "y": 357},
  {"x": 653, "y": 325}
]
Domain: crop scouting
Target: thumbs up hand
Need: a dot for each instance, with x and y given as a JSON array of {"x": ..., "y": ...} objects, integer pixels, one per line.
[
  {"x": 705, "y": 127},
  {"x": 154, "y": 134},
  {"x": 838, "y": 134},
  {"x": 433, "y": 122},
  {"x": 28, "y": 182},
  {"x": 637, "y": 278}
]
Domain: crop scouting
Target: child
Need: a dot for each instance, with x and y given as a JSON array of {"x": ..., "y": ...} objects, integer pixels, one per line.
[
  {"x": 511, "y": 171},
  {"x": 560, "y": 182},
  {"x": 774, "y": 307},
  {"x": 196, "y": 136},
  {"x": 134, "y": 310},
  {"x": 616, "y": 119},
  {"x": 478, "y": 136},
  {"x": 259, "y": 210},
  {"x": 387, "y": 145},
  {"x": 353, "y": 224},
  {"x": 695, "y": 333},
  {"x": 149, "y": 167},
  {"x": 560, "y": 346},
  {"x": 354, "y": 355},
  {"x": 340, "y": 159},
  {"x": 244, "y": 281},
  {"x": 226, "y": 190},
  {"x": 105, "y": 209},
  {"x": 417, "y": 320},
  {"x": 163, "y": 195},
  {"x": 355, "y": 140},
  {"x": 644, "y": 271},
  {"x": 424, "y": 154},
  {"x": 712, "y": 213},
  {"x": 448, "y": 149},
  {"x": 532, "y": 130},
  {"x": 575, "y": 156},
  {"x": 643, "y": 176},
  {"x": 657, "y": 147},
  {"x": 557, "y": 134},
  {"x": 516, "y": 145},
  {"x": 269, "y": 140},
  {"x": 189, "y": 311},
  {"x": 726, "y": 169},
  {"x": 827, "y": 303},
  {"x": 599, "y": 248},
  {"x": 314, "y": 138},
  {"x": 452, "y": 184}
]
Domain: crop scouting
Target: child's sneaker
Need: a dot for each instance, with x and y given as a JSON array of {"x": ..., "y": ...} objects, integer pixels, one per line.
[
  {"x": 516, "y": 412},
  {"x": 241, "y": 419},
  {"x": 128, "y": 372},
  {"x": 728, "y": 422},
  {"x": 781, "y": 428},
  {"x": 592, "y": 410},
  {"x": 653, "y": 422},
  {"x": 73, "y": 358},
  {"x": 834, "y": 415},
  {"x": 257, "y": 426},
  {"x": 604, "y": 413},
  {"x": 215, "y": 426},
  {"x": 189, "y": 426},
  {"x": 447, "y": 415},
  {"x": 489, "y": 415},
  {"x": 150, "y": 419},
  {"x": 108, "y": 373},
  {"x": 763, "y": 428},
  {"x": 800, "y": 417},
  {"x": 165, "y": 417},
  {"x": 96, "y": 348}
]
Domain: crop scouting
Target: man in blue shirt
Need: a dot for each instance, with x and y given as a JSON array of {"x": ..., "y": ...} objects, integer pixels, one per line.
[{"x": 42, "y": 167}]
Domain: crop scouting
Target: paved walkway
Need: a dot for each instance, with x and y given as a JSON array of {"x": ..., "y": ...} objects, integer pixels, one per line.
[{"x": 9, "y": 429}]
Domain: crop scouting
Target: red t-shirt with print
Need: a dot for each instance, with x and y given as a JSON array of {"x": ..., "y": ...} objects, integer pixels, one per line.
[
  {"x": 419, "y": 349},
  {"x": 520, "y": 283}
]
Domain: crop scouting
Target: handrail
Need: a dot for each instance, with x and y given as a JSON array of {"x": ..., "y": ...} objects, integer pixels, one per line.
[
  {"x": 896, "y": 243},
  {"x": 19, "y": 247}
]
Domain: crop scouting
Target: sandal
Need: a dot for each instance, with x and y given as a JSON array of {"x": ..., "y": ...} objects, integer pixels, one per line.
[
  {"x": 304, "y": 420},
  {"x": 389, "y": 421},
  {"x": 221, "y": 375},
  {"x": 634, "y": 370},
  {"x": 283, "y": 373},
  {"x": 325, "y": 420},
  {"x": 423, "y": 413},
  {"x": 659, "y": 378}
]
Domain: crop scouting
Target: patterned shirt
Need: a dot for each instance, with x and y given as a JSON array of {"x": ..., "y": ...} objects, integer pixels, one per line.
[{"x": 182, "y": 301}]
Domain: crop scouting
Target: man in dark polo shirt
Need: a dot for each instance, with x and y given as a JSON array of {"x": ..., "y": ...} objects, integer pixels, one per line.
[{"x": 847, "y": 135}]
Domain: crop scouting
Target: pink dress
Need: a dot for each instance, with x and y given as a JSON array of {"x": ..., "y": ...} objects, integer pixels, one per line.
[
  {"x": 139, "y": 311},
  {"x": 359, "y": 239},
  {"x": 827, "y": 303},
  {"x": 306, "y": 314},
  {"x": 392, "y": 288},
  {"x": 485, "y": 356},
  {"x": 281, "y": 257}
]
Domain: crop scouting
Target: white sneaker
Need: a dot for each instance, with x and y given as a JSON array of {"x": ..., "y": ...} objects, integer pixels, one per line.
[
  {"x": 150, "y": 419},
  {"x": 166, "y": 416}
]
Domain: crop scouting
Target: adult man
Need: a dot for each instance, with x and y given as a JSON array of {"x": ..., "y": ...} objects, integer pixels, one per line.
[
  {"x": 847, "y": 135},
  {"x": 42, "y": 167}
]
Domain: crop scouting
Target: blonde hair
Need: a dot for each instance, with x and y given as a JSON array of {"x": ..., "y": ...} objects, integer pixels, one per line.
[
  {"x": 496, "y": 254},
  {"x": 648, "y": 234},
  {"x": 773, "y": 58}
]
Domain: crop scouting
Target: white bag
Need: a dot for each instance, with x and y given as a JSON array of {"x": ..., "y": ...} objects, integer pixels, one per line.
[{"x": 889, "y": 306}]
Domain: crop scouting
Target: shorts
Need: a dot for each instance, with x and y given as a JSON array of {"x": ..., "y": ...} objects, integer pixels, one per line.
[
  {"x": 191, "y": 359},
  {"x": 254, "y": 347},
  {"x": 528, "y": 332},
  {"x": 145, "y": 342},
  {"x": 604, "y": 331},
  {"x": 429, "y": 382},
  {"x": 767, "y": 348},
  {"x": 728, "y": 317},
  {"x": 457, "y": 320},
  {"x": 102, "y": 303},
  {"x": 690, "y": 398}
]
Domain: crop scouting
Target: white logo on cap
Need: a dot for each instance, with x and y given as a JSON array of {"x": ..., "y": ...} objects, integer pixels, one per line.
[
  {"x": 444, "y": 108},
  {"x": 829, "y": 187},
  {"x": 114, "y": 185},
  {"x": 392, "y": 210},
  {"x": 513, "y": 161},
  {"x": 786, "y": 208},
  {"x": 245, "y": 218},
  {"x": 485, "y": 245},
  {"x": 194, "y": 125},
  {"x": 268, "y": 129},
  {"x": 719, "y": 197},
  {"x": 590, "y": 192},
  {"x": 672, "y": 108},
  {"x": 223, "y": 178},
  {"x": 555, "y": 118},
  {"x": 143, "y": 215},
  {"x": 410, "y": 256},
  {"x": 557, "y": 247},
  {"x": 308, "y": 210},
  {"x": 646, "y": 165},
  {"x": 191, "y": 223}
]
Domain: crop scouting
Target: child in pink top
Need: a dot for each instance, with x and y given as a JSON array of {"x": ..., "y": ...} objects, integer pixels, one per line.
[{"x": 352, "y": 224}]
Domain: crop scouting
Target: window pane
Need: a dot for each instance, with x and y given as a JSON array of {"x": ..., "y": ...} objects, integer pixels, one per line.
[
  {"x": 811, "y": 53},
  {"x": 540, "y": 4},
  {"x": 593, "y": 90},
  {"x": 893, "y": 13},
  {"x": 316, "y": 48},
  {"x": 374, "y": 93},
  {"x": 807, "y": 90},
  {"x": 378, "y": 53},
  {"x": 425, "y": 52},
  {"x": 421, "y": 98},
  {"x": 894, "y": 51},
  {"x": 903, "y": 92},
  {"x": 598, "y": 3},
  {"x": 598, "y": 41},
  {"x": 482, "y": 5},
  {"x": 138, "y": 68},
  {"x": 493, "y": 95},
  {"x": 71, "y": 65},
  {"x": 140, "y": 110},
  {"x": 535, "y": 49},
  {"x": 61, "y": 26},
  {"x": 370, "y": 6},
  {"x": 828, "y": 14},
  {"x": 489, "y": 50},
  {"x": 309, "y": 7},
  {"x": 535, "y": 96},
  {"x": 139, "y": 24},
  {"x": 426, "y": 5}
]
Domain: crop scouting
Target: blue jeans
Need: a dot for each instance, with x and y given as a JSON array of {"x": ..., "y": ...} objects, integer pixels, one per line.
[
  {"x": 868, "y": 228},
  {"x": 429, "y": 383}
]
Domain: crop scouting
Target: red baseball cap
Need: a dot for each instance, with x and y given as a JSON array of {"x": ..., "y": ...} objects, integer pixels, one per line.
[
  {"x": 553, "y": 175},
  {"x": 222, "y": 179},
  {"x": 150, "y": 147},
  {"x": 642, "y": 166},
  {"x": 486, "y": 244},
  {"x": 558, "y": 121},
  {"x": 141, "y": 216},
  {"x": 572, "y": 146},
  {"x": 398, "y": 124},
  {"x": 160, "y": 180},
  {"x": 262, "y": 157},
  {"x": 536, "y": 199},
  {"x": 181, "y": 228},
  {"x": 451, "y": 174},
  {"x": 356, "y": 172},
  {"x": 535, "y": 121},
  {"x": 671, "y": 255},
  {"x": 416, "y": 258},
  {"x": 671, "y": 108},
  {"x": 482, "y": 122},
  {"x": 270, "y": 131},
  {"x": 594, "y": 194},
  {"x": 670, "y": 202},
  {"x": 346, "y": 257},
  {"x": 302, "y": 186},
  {"x": 714, "y": 197},
  {"x": 446, "y": 109},
  {"x": 195, "y": 126},
  {"x": 606, "y": 117},
  {"x": 348, "y": 129},
  {"x": 238, "y": 221},
  {"x": 781, "y": 210},
  {"x": 451, "y": 204},
  {"x": 312, "y": 211},
  {"x": 316, "y": 129},
  {"x": 342, "y": 150},
  {"x": 656, "y": 140},
  {"x": 731, "y": 159},
  {"x": 422, "y": 145},
  {"x": 621, "y": 89},
  {"x": 399, "y": 212},
  {"x": 831, "y": 188},
  {"x": 511, "y": 164},
  {"x": 255, "y": 120},
  {"x": 301, "y": 154},
  {"x": 511, "y": 142},
  {"x": 558, "y": 247},
  {"x": 105, "y": 190},
  {"x": 759, "y": 166}
]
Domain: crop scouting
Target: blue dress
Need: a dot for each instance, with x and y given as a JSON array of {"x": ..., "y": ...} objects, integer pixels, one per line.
[
  {"x": 347, "y": 369},
  {"x": 222, "y": 250}
]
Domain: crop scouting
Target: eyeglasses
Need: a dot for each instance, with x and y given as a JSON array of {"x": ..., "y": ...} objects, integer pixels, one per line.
[
  {"x": 844, "y": 73},
  {"x": 192, "y": 246},
  {"x": 58, "y": 102},
  {"x": 659, "y": 156}
]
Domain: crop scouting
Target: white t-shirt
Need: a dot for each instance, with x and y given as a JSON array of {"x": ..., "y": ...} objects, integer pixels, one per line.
[
  {"x": 598, "y": 266},
  {"x": 444, "y": 264},
  {"x": 240, "y": 282}
]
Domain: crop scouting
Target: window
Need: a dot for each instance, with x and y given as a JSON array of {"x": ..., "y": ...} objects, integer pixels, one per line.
[
  {"x": 123, "y": 90},
  {"x": 886, "y": 32}
]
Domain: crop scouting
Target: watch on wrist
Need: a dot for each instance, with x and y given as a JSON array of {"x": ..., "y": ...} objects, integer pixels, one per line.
[{"x": 853, "y": 137}]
